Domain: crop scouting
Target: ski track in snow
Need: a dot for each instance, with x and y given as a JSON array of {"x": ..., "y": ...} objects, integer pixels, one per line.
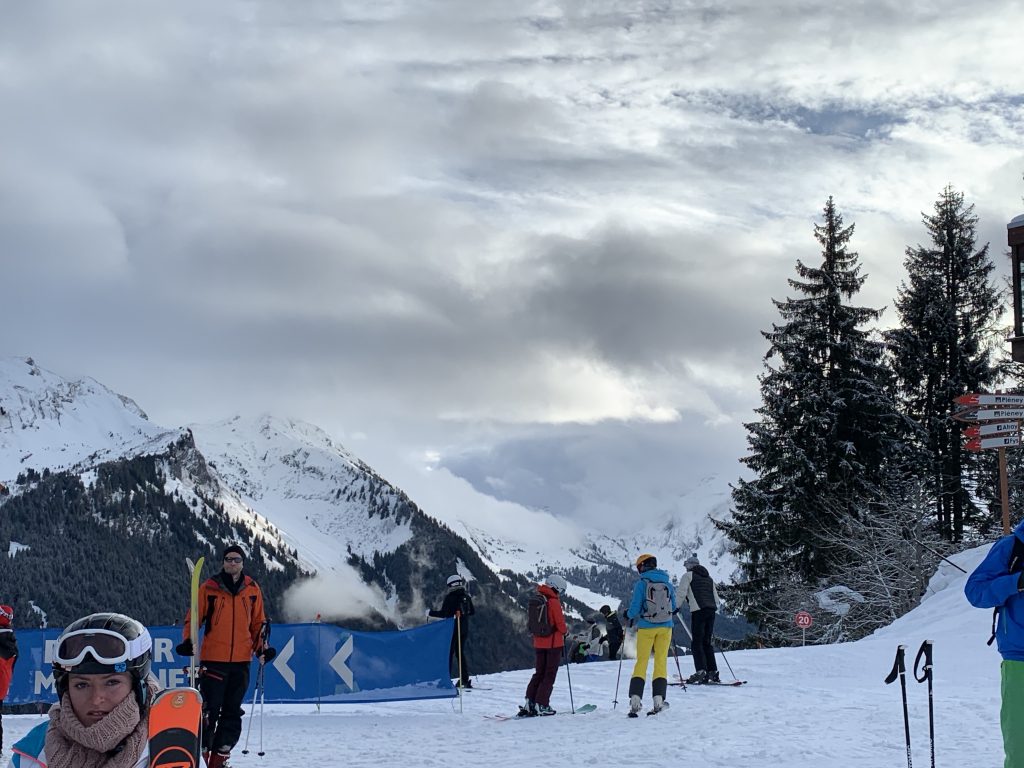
[{"x": 816, "y": 706}]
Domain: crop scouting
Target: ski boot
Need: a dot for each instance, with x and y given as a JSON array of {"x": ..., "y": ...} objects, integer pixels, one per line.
[
  {"x": 659, "y": 705},
  {"x": 635, "y": 705},
  {"x": 697, "y": 678},
  {"x": 218, "y": 760},
  {"x": 527, "y": 709},
  {"x": 544, "y": 709},
  {"x": 713, "y": 677}
]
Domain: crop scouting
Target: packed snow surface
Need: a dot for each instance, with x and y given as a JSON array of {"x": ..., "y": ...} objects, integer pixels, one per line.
[{"x": 813, "y": 706}]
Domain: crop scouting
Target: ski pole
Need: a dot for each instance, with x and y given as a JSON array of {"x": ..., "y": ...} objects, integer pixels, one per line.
[
  {"x": 675, "y": 655},
  {"x": 926, "y": 652},
  {"x": 726, "y": 658},
  {"x": 689, "y": 635},
  {"x": 568, "y": 675},
  {"x": 618, "y": 679},
  {"x": 899, "y": 669},
  {"x": 458, "y": 639},
  {"x": 263, "y": 698},
  {"x": 252, "y": 710}
]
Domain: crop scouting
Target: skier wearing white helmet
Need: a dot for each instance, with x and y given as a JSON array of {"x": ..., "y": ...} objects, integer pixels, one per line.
[
  {"x": 101, "y": 670},
  {"x": 546, "y": 622},
  {"x": 458, "y": 604}
]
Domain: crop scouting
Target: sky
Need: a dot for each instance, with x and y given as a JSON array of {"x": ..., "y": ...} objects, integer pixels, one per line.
[
  {"x": 811, "y": 706},
  {"x": 525, "y": 248}
]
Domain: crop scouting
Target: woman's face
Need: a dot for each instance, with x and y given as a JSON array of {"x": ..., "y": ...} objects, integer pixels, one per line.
[{"x": 93, "y": 697}]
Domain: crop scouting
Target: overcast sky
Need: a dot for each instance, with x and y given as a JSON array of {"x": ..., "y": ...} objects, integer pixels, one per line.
[{"x": 533, "y": 244}]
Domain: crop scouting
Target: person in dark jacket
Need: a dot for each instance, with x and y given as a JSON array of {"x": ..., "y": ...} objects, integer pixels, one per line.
[
  {"x": 235, "y": 629},
  {"x": 548, "y": 651},
  {"x": 701, "y": 595},
  {"x": 458, "y": 604},
  {"x": 613, "y": 633},
  {"x": 8, "y": 657},
  {"x": 994, "y": 585}
]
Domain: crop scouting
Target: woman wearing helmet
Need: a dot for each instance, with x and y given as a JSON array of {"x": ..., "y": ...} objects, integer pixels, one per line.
[
  {"x": 101, "y": 670},
  {"x": 652, "y": 608}
]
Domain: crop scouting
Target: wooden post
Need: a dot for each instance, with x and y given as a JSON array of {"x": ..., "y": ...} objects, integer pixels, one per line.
[{"x": 1004, "y": 491}]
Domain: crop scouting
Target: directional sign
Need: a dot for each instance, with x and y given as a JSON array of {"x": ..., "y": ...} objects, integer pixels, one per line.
[
  {"x": 980, "y": 443},
  {"x": 984, "y": 398},
  {"x": 995, "y": 428},
  {"x": 988, "y": 414}
]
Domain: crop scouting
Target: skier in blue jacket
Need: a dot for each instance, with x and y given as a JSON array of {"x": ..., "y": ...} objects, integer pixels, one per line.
[
  {"x": 993, "y": 585},
  {"x": 652, "y": 608}
]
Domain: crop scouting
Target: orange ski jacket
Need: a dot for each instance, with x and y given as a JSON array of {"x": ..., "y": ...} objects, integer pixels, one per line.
[{"x": 232, "y": 617}]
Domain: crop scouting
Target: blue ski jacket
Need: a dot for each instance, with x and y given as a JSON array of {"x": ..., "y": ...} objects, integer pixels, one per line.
[
  {"x": 636, "y": 605},
  {"x": 30, "y": 750},
  {"x": 993, "y": 586}
]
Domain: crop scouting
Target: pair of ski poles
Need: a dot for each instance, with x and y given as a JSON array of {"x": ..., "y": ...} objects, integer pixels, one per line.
[
  {"x": 260, "y": 692},
  {"x": 921, "y": 674}
]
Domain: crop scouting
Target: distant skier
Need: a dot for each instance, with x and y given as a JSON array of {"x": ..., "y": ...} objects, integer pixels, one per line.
[
  {"x": 614, "y": 633},
  {"x": 546, "y": 623},
  {"x": 8, "y": 657},
  {"x": 999, "y": 583},
  {"x": 652, "y": 608},
  {"x": 234, "y": 631},
  {"x": 458, "y": 604},
  {"x": 699, "y": 590}
]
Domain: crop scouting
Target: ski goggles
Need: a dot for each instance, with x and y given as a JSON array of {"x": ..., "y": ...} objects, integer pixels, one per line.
[{"x": 103, "y": 645}]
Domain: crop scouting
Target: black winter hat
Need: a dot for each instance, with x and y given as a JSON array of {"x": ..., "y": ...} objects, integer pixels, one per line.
[{"x": 233, "y": 548}]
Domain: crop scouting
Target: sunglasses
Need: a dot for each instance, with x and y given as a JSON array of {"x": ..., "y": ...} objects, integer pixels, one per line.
[
  {"x": 103, "y": 645},
  {"x": 232, "y": 559}
]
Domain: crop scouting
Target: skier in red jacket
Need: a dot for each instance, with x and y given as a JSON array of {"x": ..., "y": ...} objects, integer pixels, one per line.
[
  {"x": 8, "y": 657},
  {"x": 547, "y": 650}
]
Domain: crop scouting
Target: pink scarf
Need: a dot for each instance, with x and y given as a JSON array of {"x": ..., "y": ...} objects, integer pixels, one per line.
[{"x": 69, "y": 744}]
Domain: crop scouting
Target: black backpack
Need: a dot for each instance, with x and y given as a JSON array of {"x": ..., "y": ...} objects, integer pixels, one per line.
[
  {"x": 1015, "y": 565},
  {"x": 537, "y": 620}
]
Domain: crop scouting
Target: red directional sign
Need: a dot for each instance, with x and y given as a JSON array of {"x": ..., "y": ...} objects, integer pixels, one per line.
[
  {"x": 980, "y": 443},
  {"x": 988, "y": 414},
  {"x": 985, "y": 398},
  {"x": 803, "y": 619},
  {"x": 995, "y": 428}
]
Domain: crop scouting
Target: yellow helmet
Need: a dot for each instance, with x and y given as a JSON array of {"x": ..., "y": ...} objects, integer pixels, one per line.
[{"x": 645, "y": 562}]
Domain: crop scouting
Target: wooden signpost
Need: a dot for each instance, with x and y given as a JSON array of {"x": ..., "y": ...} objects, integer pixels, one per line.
[{"x": 994, "y": 420}]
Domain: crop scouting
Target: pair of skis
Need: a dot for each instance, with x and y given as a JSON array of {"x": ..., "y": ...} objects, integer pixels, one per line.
[
  {"x": 579, "y": 711},
  {"x": 176, "y": 714}
]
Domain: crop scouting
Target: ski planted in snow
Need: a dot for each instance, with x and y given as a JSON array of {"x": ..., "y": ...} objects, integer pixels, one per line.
[
  {"x": 195, "y": 573},
  {"x": 174, "y": 719}
]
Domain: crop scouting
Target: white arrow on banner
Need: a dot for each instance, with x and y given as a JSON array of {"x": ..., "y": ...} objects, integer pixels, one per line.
[
  {"x": 338, "y": 663},
  {"x": 280, "y": 662}
]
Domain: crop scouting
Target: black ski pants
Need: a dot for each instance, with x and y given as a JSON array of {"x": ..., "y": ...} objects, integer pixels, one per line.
[
  {"x": 546, "y": 663},
  {"x": 454, "y": 652},
  {"x": 614, "y": 644},
  {"x": 223, "y": 685},
  {"x": 703, "y": 622}
]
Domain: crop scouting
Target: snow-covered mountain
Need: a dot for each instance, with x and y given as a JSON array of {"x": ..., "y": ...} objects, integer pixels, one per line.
[
  {"x": 290, "y": 483},
  {"x": 57, "y": 423}
]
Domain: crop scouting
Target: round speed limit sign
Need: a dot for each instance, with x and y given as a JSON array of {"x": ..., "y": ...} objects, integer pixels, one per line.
[{"x": 803, "y": 620}]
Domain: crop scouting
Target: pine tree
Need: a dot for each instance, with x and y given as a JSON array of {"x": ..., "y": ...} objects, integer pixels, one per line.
[
  {"x": 825, "y": 432},
  {"x": 946, "y": 346}
]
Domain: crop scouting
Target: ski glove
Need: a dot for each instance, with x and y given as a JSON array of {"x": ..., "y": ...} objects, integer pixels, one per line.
[
  {"x": 268, "y": 654},
  {"x": 184, "y": 648}
]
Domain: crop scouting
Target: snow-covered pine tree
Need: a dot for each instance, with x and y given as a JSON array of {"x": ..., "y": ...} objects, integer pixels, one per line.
[
  {"x": 946, "y": 345},
  {"x": 826, "y": 430}
]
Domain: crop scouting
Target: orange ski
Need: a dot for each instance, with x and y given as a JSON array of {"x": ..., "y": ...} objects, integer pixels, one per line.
[{"x": 174, "y": 720}]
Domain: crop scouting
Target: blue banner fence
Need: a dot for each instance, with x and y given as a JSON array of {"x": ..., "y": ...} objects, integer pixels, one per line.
[{"x": 315, "y": 663}]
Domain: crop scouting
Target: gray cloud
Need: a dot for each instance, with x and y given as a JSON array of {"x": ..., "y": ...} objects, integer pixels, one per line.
[{"x": 477, "y": 229}]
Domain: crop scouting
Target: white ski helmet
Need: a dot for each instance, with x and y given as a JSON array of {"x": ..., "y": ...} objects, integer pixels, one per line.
[
  {"x": 557, "y": 583},
  {"x": 455, "y": 580}
]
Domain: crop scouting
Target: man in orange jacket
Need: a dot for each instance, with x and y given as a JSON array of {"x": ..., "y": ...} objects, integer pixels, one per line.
[{"x": 234, "y": 628}]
